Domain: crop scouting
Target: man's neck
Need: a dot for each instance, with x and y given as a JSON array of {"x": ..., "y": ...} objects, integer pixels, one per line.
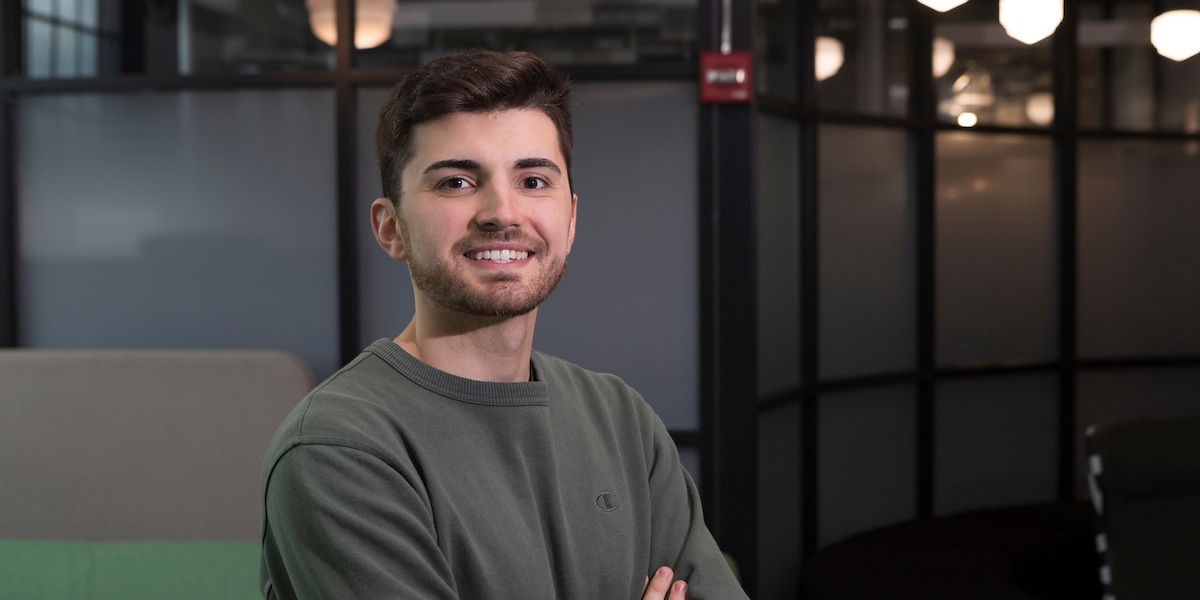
[{"x": 480, "y": 348}]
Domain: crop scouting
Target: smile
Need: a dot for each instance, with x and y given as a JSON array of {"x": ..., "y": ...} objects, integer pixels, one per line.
[{"x": 499, "y": 256}]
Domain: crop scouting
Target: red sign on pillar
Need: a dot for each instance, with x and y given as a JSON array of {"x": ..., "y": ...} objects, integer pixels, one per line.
[{"x": 725, "y": 78}]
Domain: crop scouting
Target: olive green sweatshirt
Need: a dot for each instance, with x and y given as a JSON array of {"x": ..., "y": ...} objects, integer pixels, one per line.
[{"x": 393, "y": 479}]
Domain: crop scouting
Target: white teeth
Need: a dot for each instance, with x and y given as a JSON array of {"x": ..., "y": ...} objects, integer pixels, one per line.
[{"x": 500, "y": 256}]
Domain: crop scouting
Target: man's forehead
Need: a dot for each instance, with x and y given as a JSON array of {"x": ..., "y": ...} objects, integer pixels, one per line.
[{"x": 483, "y": 136}]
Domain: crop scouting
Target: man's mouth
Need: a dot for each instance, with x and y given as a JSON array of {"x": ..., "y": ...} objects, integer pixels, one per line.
[{"x": 498, "y": 256}]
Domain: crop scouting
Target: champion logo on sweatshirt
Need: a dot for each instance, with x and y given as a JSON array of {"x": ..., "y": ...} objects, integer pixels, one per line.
[{"x": 607, "y": 501}]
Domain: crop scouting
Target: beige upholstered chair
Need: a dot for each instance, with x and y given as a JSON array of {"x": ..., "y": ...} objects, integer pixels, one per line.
[{"x": 131, "y": 445}]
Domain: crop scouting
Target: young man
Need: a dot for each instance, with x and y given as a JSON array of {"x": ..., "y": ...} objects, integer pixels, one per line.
[{"x": 454, "y": 461}]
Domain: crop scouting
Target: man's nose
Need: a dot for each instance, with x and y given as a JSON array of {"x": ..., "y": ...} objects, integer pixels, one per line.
[{"x": 498, "y": 207}]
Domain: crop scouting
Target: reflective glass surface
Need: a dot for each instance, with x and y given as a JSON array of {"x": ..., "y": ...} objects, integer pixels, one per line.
[
  {"x": 775, "y": 53},
  {"x": 1139, "y": 253},
  {"x": 986, "y": 76},
  {"x": 561, "y": 31},
  {"x": 1124, "y": 83},
  {"x": 996, "y": 248},
  {"x": 185, "y": 220},
  {"x": 91, "y": 38},
  {"x": 778, "y": 247},
  {"x": 629, "y": 302},
  {"x": 995, "y": 442},
  {"x": 867, "y": 290},
  {"x": 863, "y": 56},
  {"x": 867, "y": 460}
]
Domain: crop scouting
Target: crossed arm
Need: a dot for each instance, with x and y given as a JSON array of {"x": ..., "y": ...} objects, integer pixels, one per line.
[{"x": 661, "y": 586}]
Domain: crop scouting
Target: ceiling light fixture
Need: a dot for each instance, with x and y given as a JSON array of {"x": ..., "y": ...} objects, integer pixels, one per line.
[
  {"x": 1030, "y": 21},
  {"x": 943, "y": 56},
  {"x": 943, "y": 5},
  {"x": 372, "y": 21},
  {"x": 1176, "y": 34},
  {"x": 830, "y": 56}
]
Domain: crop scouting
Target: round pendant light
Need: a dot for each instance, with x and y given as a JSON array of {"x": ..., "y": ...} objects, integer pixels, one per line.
[
  {"x": 943, "y": 5},
  {"x": 1176, "y": 34},
  {"x": 943, "y": 56},
  {"x": 830, "y": 56}
]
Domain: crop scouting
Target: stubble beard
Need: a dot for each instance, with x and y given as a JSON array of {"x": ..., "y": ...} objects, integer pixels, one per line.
[{"x": 503, "y": 294}]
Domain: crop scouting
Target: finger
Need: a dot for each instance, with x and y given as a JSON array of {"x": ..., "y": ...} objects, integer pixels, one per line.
[
  {"x": 644, "y": 585},
  {"x": 659, "y": 585},
  {"x": 679, "y": 590}
]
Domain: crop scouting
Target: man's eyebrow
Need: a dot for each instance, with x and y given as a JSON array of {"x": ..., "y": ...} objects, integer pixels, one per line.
[
  {"x": 537, "y": 163},
  {"x": 464, "y": 164}
]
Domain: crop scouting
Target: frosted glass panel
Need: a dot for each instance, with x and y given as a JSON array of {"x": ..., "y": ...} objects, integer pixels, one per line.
[
  {"x": 997, "y": 278},
  {"x": 1128, "y": 393},
  {"x": 995, "y": 442},
  {"x": 778, "y": 222},
  {"x": 1139, "y": 252},
  {"x": 197, "y": 220},
  {"x": 867, "y": 253},
  {"x": 779, "y": 504},
  {"x": 629, "y": 302},
  {"x": 867, "y": 460}
]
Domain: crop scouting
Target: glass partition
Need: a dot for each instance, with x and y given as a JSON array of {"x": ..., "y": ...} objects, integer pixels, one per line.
[
  {"x": 1124, "y": 83},
  {"x": 866, "y": 460},
  {"x": 776, "y": 69},
  {"x": 93, "y": 38},
  {"x": 986, "y": 76},
  {"x": 996, "y": 247},
  {"x": 563, "y": 32},
  {"x": 995, "y": 441},
  {"x": 867, "y": 236},
  {"x": 863, "y": 56},
  {"x": 1138, "y": 248},
  {"x": 779, "y": 501},
  {"x": 778, "y": 246},
  {"x": 179, "y": 220}
]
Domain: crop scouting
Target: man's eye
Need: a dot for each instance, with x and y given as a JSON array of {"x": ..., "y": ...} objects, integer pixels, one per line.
[
  {"x": 533, "y": 183},
  {"x": 455, "y": 183}
]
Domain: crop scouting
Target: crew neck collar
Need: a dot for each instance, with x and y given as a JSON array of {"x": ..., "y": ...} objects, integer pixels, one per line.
[{"x": 472, "y": 391}]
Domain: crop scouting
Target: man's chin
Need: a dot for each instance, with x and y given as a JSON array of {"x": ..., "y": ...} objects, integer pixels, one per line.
[{"x": 493, "y": 306}]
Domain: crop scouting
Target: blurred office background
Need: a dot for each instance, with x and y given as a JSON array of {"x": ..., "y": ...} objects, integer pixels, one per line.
[{"x": 900, "y": 283}]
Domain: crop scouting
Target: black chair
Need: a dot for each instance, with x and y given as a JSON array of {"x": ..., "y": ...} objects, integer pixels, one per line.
[{"x": 1144, "y": 480}]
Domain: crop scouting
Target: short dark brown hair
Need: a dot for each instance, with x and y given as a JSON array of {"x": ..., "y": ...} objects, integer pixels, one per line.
[{"x": 473, "y": 81}]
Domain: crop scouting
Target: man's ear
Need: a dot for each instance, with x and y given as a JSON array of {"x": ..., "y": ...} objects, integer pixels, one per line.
[
  {"x": 571, "y": 227},
  {"x": 385, "y": 222}
]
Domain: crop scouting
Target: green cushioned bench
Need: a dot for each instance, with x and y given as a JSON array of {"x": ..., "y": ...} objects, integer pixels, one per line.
[{"x": 52, "y": 570}]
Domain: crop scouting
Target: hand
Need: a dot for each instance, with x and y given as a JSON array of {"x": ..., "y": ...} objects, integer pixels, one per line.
[{"x": 657, "y": 588}]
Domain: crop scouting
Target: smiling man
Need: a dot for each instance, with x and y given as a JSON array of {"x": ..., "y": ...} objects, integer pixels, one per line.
[{"x": 454, "y": 461}]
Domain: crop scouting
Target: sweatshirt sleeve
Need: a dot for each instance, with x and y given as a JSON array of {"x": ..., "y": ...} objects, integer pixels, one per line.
[
  {"x": 342, "y": 522},
  {"x": 679, "y": 538}
]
